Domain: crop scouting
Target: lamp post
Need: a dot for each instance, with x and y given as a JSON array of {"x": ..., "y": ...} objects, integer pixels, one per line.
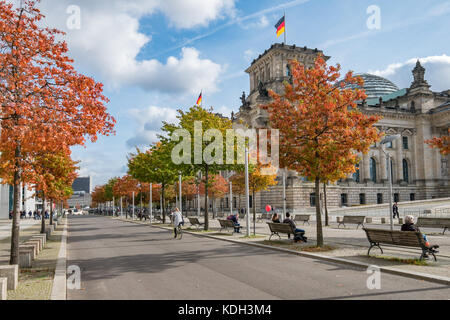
[
  {"x": 247, "y": 193},
  {"x": 390, "y": 139},
  {"x": 181, "y": 195},
  {"x": 150, "y": 204}
]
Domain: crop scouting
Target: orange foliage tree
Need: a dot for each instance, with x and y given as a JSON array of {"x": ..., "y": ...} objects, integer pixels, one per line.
[
  {"x": 124, "y": 187},
  {"x": 46, "y": 104},
  {"x": 320, "y": 124},
  {"x": 217, "y": 188},
  {"x": 442, "y": 143}
]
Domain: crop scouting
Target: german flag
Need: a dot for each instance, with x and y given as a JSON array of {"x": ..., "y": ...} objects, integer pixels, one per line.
[
  {"x": 280, "y": 26},
  {"x": 199, "y": 100}
]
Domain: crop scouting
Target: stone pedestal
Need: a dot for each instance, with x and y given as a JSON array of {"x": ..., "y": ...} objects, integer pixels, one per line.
[
  {"x": 42, "y": 237},
  {"x": 12, "y": 274},
  {"x": 3, "y": 288},
  {"x": 25, "y": 259},
  {"x": 30, "y": 249},
  {"x": 35, "y": 243}
]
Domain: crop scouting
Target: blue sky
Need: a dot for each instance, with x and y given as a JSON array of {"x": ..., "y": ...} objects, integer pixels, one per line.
[{"x": 154, "y": 56}]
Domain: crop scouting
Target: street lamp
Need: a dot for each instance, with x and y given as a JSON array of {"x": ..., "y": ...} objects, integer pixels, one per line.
[{"x": 390, "y": 139}]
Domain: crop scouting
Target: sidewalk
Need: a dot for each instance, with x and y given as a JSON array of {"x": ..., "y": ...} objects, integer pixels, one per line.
[
  {"x": 5, "y": 226},
  {"x": 350, "y": 244}
]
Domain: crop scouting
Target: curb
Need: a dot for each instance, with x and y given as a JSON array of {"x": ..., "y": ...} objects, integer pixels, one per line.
[
  {"x": 59, "y": 290},
  {"x": 361, "y": 265}
]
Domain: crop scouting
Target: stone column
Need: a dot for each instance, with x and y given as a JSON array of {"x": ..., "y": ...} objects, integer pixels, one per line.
[
  {"x": 399, "y": 160},
  {"x": 383, "y": 168},
  {"x": 365, "y": 168}
]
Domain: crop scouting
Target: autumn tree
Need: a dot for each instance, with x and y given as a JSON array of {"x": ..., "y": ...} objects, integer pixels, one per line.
[
  {"x": 442, "y": 143},
  {"x": 45, "y": 103},
  {"x": 218, "y": 188},
  {"x": 201, "y": 133},
  {"x": 124, "y": 187},
  {"x": 320, "y": 124},
  {"x": 154, "y": 166}
]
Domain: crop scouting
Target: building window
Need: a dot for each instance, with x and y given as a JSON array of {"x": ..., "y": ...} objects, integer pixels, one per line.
[
  {"x": 405, "y": 143},
  {"x": 344, "y": 199},
  {"x": 250, "y": 199},
  {"x": 373, "y": 170},
  {"x": 234, "y": 202},
  {"x": 362, "y": 198},
  {"x": 405, "y": 171},
  {"x": 396, "y": 197},
  {"x": 412, "y": 197},
  {"x": 288, "y": 70},
  {"x": 227, "y": 202},
  {"x": 312, "y": 199},
  {"x": 379, "y": 198},
  {"x": 389, "y": 145},
  {"x": 356, "y": 174}
]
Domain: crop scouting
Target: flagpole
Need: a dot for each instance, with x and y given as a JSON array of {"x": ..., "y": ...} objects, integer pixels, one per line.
[{"x": 285, "y": 29}]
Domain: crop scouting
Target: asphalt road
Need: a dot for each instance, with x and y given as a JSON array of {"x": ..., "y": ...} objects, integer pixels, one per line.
[{"x": 120, "y": 260}]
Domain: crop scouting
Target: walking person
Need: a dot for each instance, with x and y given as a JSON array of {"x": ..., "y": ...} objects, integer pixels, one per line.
[{"x": 395, "y": 210}]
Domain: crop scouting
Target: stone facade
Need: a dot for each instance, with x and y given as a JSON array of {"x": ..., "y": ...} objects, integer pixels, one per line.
[{"x": 415, "y": 113}]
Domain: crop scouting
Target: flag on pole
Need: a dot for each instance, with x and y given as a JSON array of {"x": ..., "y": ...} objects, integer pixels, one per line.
[
  {"x": 281, "y": 26},
  {"x": 199, "y": 100}
]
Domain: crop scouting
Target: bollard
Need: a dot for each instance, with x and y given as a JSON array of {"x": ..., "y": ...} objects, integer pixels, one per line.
[
  {"x": 3, "y": 288},
  {"x": 24, "y": 259},
  {"x": 11, "y": 273}
]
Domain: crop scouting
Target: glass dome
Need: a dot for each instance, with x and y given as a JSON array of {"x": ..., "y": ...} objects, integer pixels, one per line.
[{"x": 376, "y": 86}]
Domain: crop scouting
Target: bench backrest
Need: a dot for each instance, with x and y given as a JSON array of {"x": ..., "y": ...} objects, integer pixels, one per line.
[
  {"x": 433, "y": 222},
  {"x": 354, "y": 219},
  {"x": 194, "y": 221},
  {"x": 281, "y": 227},
  {"x": 302, "y": 217},
  {"x": 401, "y": 238},
  {"x": 226, "y": 223}
]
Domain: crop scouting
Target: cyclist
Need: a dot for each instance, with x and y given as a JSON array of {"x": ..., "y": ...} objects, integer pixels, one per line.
[{"x": 177, "y": 220}]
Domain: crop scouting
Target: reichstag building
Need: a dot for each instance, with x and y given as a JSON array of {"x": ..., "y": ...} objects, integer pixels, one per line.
[{"x": 415, "y": 113}]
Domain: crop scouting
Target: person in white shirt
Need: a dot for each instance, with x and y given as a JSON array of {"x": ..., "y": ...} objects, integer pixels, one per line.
[{"x": 177, "y": 219}]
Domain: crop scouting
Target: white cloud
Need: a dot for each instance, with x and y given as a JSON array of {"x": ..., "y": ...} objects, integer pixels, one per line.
[
  {"x": 191, "y": 13},
  {"x": 249, "y": 55},
  {"x": 262, "y": 22},
  {"x": 437, "y": 72},
  {"x": 149, "y": 121},
  {"x": 110, "y": 40}
]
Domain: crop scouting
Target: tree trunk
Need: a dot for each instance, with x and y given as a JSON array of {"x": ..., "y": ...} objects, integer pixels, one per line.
[
  {"x": 318, "y": 215},
  {"x": 15, "y": 231},
  {"x": 51, "y": 212},
  {"x": 43, "y": 214},
  {"x": 325, "y": 204},
  {"x": 206, "y": 200},
  {"x": 254, "y": 212}
]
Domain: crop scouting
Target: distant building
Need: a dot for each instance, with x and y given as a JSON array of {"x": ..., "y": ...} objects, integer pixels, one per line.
[
  {"x": 28, "y": 201},
  {"x": 82, "y": 184},
  {"x": 81, "y": 197},
  {"x": 416, "y": 113}
]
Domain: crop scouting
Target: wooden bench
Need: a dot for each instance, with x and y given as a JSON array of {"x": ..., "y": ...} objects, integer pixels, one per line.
[
  {"x": 277, "y": 228},
  {"x": 302, "y": 218},
  {"x": 397, "y": 238},
  {"x": 434, "y": 223},
  {"x": 158, "y": 217},
  {"x": 358, "y": 220},
  {"x": 195, "y": 222},
  {"x": 225, "y": 224}
]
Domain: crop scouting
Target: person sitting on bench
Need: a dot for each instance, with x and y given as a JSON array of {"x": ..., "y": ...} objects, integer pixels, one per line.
[
  {"x": 409, "y": 226},
  {"x": 234, "y": 218},
  {"x": 276, "y": 218},
  {"x": 299, "y": 233}
]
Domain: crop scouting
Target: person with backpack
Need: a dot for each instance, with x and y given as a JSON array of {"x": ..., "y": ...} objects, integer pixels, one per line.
[{"x": 299, "y": 233}]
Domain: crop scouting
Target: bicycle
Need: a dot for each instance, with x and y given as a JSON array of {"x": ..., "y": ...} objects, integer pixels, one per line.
[{"x": 179, "y": 232}]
